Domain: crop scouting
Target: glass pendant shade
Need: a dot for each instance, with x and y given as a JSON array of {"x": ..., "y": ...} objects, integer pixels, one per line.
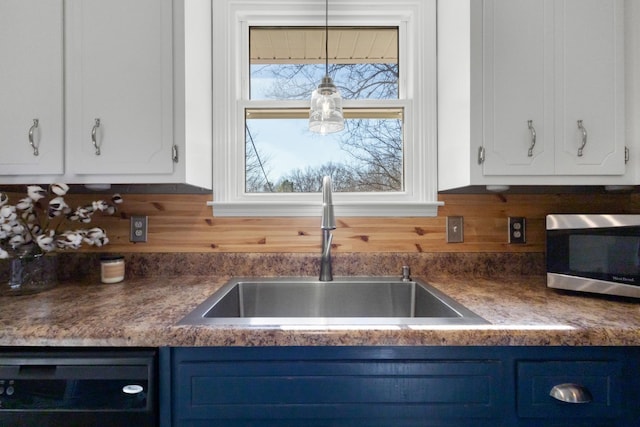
[{"x": 326, "y": 115}]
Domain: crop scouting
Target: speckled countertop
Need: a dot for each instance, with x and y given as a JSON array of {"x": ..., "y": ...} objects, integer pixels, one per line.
[{"x": 144, "y": 312}]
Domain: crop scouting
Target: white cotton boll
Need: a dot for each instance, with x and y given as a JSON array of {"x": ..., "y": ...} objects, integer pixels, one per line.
[
  {"x": 25, "y": 204},
  {"x": 57, "y": 207},
  {"x": 96, "y": 233},
  {"x": 8, "y": 213},
  {"x": 76, "y": 241},
  {"x": 53, "y": 213},
  {"x": 16, "y": 241},
  {"x": 4, "y": 198},
  {"x": 100, "y": 205},
  {"x": 70, "y": 239},
  {"x": 45, "y": 242},
  {"x": 94, "y": 236},
  {"x": 116, "y": 198},
  {"x": 101, "y": 241},
  {"x": 81, "y": 213},
  {"x": 59, "y": 189},
  {"x": 35, "y": 192},
  {"x": 8, "y": 216},
  {"x": 3, "y": 254},
  {"x": 58, "y": 204}
]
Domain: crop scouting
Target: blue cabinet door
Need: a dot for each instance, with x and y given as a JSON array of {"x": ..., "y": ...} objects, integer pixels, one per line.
[{"x": 334, "y": 387}]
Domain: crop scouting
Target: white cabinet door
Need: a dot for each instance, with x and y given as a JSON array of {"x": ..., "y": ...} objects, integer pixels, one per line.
[
  {"x": 31, "y": 87},
  {"x": 553, "y": 69},
  {"x": 518, "y": 87},
  {"x": 120, "y": 73},
  {"x": 589, "y": 87}
]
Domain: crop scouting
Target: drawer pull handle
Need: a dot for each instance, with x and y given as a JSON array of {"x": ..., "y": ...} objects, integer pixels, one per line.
[
  {"x": 31, "y": 140},
  {"x": 571, "y": 393},
  {"x": 533, "y": 137},
  {"x": 94, "y": 136},
  {"x": 584, "y": 138}
]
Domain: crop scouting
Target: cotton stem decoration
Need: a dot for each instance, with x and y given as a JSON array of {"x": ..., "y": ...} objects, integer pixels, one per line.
[{"x": 43, "y": 219}]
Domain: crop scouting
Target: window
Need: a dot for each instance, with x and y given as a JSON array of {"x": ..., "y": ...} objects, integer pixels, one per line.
[
  {"x": 269, "y": 56},
  {"x": 287, "y": 63}
]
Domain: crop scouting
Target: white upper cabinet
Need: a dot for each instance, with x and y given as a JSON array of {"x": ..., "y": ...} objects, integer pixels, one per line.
[
  {"x": 31, "y": 87},
  {"x": 133, "y": 104},
  {"x": 540, "y": 98},
  {"x": 120, "y": 74}
]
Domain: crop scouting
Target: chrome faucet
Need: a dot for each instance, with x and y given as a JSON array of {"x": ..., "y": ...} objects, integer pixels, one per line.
[{"x": 328, "y": 224}]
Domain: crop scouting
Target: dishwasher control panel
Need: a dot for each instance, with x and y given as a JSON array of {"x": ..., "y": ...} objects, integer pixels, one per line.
[{"x": 81, "y": 387}]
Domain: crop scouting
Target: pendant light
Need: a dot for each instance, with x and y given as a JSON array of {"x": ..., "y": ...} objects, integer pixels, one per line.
[{"x": 325, "y": 115}]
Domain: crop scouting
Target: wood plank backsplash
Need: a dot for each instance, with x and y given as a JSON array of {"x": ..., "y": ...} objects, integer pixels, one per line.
[{"x": 183, "y": 223}]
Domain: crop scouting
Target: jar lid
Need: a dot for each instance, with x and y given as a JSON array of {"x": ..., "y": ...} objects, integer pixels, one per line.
[{"x": 111, "y": 257}]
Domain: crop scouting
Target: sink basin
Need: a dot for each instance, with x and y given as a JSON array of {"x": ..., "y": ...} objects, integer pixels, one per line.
[{"x": 343, "y": 301}]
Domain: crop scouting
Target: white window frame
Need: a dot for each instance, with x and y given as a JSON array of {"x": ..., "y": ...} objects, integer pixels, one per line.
[{"x": 416, "y": 20}]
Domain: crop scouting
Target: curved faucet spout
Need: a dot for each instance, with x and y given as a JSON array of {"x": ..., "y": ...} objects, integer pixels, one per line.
[{"x": 328, "y": 224}]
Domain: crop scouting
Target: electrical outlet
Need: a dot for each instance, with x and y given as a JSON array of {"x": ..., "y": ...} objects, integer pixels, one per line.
[
  {"x": 455, "y": 229},
  {"x": 517, "y": 229},
  {"x": 138, "y": 229}
]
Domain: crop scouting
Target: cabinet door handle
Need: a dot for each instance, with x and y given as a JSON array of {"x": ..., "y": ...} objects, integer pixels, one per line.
[
  {"x": 533, "y": 137},
  {"x": 571, "y": 393},
  {"x": 94, "y": 136},
  {"x": 32, "y": 129},
  {"x": 584, "y": 137}
]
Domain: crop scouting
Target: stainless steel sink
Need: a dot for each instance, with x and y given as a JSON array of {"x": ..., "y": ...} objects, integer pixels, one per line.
[{"x": 343, "y": 301}]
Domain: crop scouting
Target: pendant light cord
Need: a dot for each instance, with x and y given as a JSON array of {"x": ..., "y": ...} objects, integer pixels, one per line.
[{"x": 326, "y": 38}]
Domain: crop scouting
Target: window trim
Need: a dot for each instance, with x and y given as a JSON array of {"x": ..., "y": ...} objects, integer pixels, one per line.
[{"x": 416, "y": 20}]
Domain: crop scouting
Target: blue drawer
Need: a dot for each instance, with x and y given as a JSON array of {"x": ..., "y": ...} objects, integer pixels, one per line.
[{"x": 602, "y": 379}]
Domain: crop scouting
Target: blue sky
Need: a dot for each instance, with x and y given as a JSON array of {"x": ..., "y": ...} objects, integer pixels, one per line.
[{"x": 290, "y": 145}]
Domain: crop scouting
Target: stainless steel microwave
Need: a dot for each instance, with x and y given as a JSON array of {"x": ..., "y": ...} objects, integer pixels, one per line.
[{"x": 596, "y": 253}]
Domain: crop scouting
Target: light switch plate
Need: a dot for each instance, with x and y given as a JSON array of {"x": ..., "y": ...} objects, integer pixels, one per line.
[
  {"x": 138, "y": 228},
  {"x": 455, "y": 229}
]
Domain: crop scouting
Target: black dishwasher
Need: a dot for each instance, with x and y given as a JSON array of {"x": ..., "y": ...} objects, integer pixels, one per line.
[{"x": 77, "y": 388}]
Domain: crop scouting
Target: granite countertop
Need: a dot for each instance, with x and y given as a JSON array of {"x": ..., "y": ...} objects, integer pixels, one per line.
[{"x": 144, "y": 312}]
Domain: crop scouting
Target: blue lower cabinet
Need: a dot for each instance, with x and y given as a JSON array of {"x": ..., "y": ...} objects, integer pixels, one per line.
[{"x": 385, "y": 386}]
